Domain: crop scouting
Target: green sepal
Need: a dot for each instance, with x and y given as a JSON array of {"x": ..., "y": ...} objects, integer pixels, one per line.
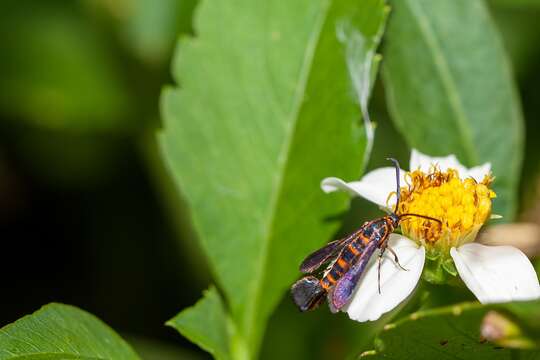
[
  {"x": 432, "y": 253},
  {"x": 439, "y": 269},
  {"x": 449, "y": 266},
  {"x": 433, "y": 272}
]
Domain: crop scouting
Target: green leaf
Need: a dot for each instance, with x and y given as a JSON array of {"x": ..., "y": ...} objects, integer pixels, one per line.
[
  {"x": 205, "y": 324},
  {"x": 267, "y": 109},
  {"x": 458, "y": 332},
  {"x": 450, "y": 89},
  {"x": 58, "y": 331}
]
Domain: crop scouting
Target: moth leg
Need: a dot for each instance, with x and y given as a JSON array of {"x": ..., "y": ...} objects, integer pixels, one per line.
[
  {"x": 396, "y": 258},
  {"x": 379, "y": 268}
]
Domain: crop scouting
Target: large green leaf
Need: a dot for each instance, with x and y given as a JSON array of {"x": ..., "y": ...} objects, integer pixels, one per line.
[
  {"x": 59, "y": 331},
  {"x": 455, "y": 332},
  {"x": 266, "y": 109},
  {"x": 450, "y": 89}
]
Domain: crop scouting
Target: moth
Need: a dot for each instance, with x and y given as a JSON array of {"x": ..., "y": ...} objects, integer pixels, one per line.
[{"x": 347, "y": 259}]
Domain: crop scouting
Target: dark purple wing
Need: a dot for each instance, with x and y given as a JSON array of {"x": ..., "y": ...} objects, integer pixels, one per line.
[
  {"x": 319, "y": 257},
  {"x": 344, "y": 287}
]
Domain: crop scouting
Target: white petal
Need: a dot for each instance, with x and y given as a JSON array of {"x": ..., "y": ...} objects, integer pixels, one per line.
[
  {"x": 496, "y": 273},
  {"x": 477, "y": 172},
  {"x": 424, "y": 162},
  {"x": 396, "y": 283},
  {"x": 375, "y": 186}
]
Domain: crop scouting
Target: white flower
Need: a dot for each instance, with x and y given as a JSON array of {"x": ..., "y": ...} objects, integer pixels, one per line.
[{"x": 493, "y": 273}]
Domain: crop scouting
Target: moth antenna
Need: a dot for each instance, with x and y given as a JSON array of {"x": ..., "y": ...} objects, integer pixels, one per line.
[
  {"x": 421, "y": 216},
  {"x": 396, "y": 164}
]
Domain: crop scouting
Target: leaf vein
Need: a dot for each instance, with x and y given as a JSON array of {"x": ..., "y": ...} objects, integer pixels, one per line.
[
  {"x": 443, "y": 68},
  {"x": 283, "y": 161}
]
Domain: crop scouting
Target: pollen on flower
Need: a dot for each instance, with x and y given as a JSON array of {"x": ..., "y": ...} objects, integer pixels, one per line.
[{"x": 462, "y": 206}]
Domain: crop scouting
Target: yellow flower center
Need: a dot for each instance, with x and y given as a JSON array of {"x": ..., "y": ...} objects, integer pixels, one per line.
[{"x": 462, "y": 206}]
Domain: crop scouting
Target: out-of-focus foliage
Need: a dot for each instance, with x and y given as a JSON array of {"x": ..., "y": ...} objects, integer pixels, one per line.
[
  {"x": 458, "y": 97},
  {"x": 55, "y": 69},
  {"x": 149, "y": 28},
  {"x": 77, "y": 103},
  {"x": 519, "y": 30},
  {"x": 254, "y": 135},
  {"x": 83, "y": 76},
  {"x": 59, "y": 331}
]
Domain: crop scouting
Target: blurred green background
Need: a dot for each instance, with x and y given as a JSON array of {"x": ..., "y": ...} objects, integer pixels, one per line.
[{"x": 88, "y": 213}]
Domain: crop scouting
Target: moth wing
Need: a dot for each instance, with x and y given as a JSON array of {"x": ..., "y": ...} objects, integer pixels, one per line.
[
  {"x": 344, "y": 287},
  {"x": 329, "y": 296},
  {"x": 314, "y": 260}
]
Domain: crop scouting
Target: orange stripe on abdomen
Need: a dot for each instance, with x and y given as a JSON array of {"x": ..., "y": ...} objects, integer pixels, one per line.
[
  {"x": 342, "y": 264},
  {"x": 353, "y": 250},
  {"x": 327, "y": 281},
  {"x": 365, "y": 239}
]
